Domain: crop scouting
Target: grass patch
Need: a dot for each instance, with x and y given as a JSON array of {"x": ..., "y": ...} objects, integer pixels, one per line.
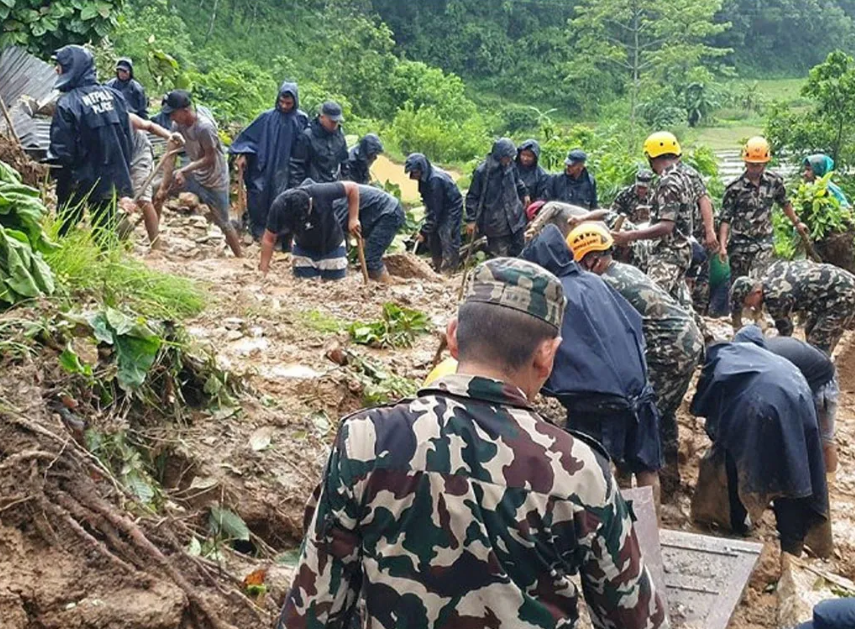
[
  {"x": 108, "y": 274},
  {"x": 320, "y": 322}
]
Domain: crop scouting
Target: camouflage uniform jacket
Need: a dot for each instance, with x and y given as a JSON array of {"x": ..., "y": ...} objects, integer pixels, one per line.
[
  {"x": 674, "y": 200},
  {"x": 699, "y": 189},
  {"x": 673, "y": 338},
  {"x": 806, "y": 287},
  {"x": 629, "y": 204},
  {"x": 748, "y": 208},
  {"x": 464, "y": 508}
]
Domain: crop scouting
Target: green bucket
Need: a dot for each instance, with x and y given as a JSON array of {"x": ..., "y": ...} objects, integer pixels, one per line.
[{"x": 719, "y": 271}]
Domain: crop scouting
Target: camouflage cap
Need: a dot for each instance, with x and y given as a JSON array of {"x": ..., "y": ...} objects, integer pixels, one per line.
[
  {"x": 519, "y": 285},
  {"x": 740, "y": 290}
]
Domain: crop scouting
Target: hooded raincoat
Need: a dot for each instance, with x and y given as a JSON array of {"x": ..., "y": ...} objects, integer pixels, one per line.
[
  {"x": 318, "y": 154},
  {"x": 131, "y": 89},
  {"x": 600, "y": 364},
  {"x": 90, "y": 134},
  {"x": 759, "y": 410},
  {"x": 443, "y": 210},
  {"x": 534, "y": 177},
  {"x": 495, "y": 196},
  {"x": 821, "y": 165},
  {"x": 268, "y": 144},
  {"x": 357, "y": 168}
]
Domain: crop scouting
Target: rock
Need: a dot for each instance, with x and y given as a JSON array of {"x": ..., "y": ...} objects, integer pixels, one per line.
[
  {"x": 233, "y": 323},
  {"x": 408, "y": 266},
  {"x": 188, "y": 200},
  {"x": 234, "y": 335},
  {"x": 336, "y": 354}
]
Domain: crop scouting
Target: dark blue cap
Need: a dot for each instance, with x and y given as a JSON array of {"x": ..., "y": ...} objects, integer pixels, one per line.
[
  {"x": 177, "y": 99},
  {"x": 332, "y": 110},
  {"x": 575, "y": 156}
]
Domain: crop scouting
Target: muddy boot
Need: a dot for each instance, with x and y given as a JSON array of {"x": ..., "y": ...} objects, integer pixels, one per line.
[{"x": 381, "y": 275}]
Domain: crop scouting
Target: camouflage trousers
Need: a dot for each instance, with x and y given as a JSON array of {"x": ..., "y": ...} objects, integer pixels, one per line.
[
  {"x": 750, "y": 257},
  {"x": 670, "y": 377},
  {"x": 824, "y": 327},
  {"x": 670, "y": 274},
  {"x": 509, "y": 246}
]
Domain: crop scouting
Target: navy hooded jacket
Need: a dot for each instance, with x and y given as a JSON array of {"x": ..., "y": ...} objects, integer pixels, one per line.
[
  {"x": 357, "y": 168},
  {"x": 601, "y": 357},
  {"x": 581, "y": 191},
  {"x": 90, "y": 134},
  {"x": 535, "y": 178},
  {"x": 760, "y": 410},
  {"x": 440, "y": 195},
  {"x": 131, "y": 89},
  {"x": 495, "y": 196},
  {"x": 318, "y": 155},
  {"x": 268, "y": 144}
]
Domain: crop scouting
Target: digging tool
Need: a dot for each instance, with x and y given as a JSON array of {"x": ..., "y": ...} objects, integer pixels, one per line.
[
  {"x": 241, "y": 190},
  {"x": 812, "y": 254},
  {"x": 9, "y": 123},
  {"x": 619, "y": 223},
  {"x": 466, "y": 267},
  {"x": 360, "y": 249},
  {"x": 150, "y": 178}
]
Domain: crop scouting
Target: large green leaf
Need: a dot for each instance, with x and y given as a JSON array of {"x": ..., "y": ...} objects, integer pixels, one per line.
[
  {"x": 229, "y": 524},
  {"x": 89, "y": 12},
  {"x": 135, "y": 356}
]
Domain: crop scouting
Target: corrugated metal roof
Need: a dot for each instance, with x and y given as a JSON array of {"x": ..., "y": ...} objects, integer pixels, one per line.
[{"x": 22, "y": 74}]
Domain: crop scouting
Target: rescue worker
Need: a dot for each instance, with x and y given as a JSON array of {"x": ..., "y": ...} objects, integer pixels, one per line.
[
  {"x": 91, "y": 138},
  {"x": 125, "y": 83},
  {"x": 836, "y": 613},
  {"x": 673, "y": 342},
  {"x": 264, "y": 150},
  {"x": 207, "y": 173},
  {"x": 746, "y": 214},
  {"x": 531, "y": 172},
  {"x": 821, "y": 375},
  {"x": 822, "y": 293},
  {"x": 634, "y": 201},
  {"x": 321, "y": 149},
  {"x": 484, "y": 509},
  {"x": 381, "y": 216},
  {"x": 443, "y": 211},
  {"x": 671, "y": 216},
  {"x": 575, "y": 185},
  {"x": 762, "y": 423},
  {"x": 361, "y": 157},
  {"x": 600, "y": 374},
  {"x": 704, "y": 240},
  {"x": 496, "y": 202},
  {"x": 308, "y": 214}
]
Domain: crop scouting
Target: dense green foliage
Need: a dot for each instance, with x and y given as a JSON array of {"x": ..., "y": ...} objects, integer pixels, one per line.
[
  {"x": 828, "y": 124},
  {"x": 45, "y": 26}
]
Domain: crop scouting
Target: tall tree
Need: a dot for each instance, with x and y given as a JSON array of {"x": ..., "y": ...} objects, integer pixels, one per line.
[{"x": 662, "y": 41}]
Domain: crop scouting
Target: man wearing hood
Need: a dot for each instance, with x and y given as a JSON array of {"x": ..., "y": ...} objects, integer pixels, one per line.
[
  {"x": 575, "y": 185},
  {"x": 91, "y": 138},
  {"x": 321, "y": 149},
  {"x": 600, "y": 372},
  {"x": 130, "y": 88},
  {"x": 761, "y": 419},
  {"x": 264, "y": 151},
  {"x": 822, "y": 293},
  {"x": 496, "y": 201},
  {"x": 361, "y": 157},
  {"x": 532, "y": 174},
  {"x": 674, "y": 342},
  {"x": 818, "y": 166},
  {"x": 443, "y": 211}
]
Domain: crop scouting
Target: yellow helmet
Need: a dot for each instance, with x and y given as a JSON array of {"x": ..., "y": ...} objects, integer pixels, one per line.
[
  {"x": 662, "y": 143},
  {"x": 445, "y": 368},
  {"x": 756, "y": 151},
  {"x": 588, "y": 238}
]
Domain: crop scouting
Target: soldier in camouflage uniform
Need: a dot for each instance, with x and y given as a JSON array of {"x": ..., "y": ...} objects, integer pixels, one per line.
[
  {"x": 822, "y": 293},
  {"x": 671, "y": 219},
  {"x": 746, "y": 213},
  {"x": 674, "y": 342},
  {"x": 464, "y": 507},
  {"x": 634, "y": 202},
  {"x": 703, "y": 220}
]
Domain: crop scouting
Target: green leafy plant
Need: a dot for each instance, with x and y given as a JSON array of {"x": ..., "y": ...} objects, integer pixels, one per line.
[
  {"x": 379, "y": 385},
  {"x": 119, "y": 454},
  {"x": 398, "y": 328}
]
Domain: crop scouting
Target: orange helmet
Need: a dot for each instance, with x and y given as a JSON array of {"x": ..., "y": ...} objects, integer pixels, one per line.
[
  {"x": 756, "y": 151},
  {"x": 589, "y": 238}
]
